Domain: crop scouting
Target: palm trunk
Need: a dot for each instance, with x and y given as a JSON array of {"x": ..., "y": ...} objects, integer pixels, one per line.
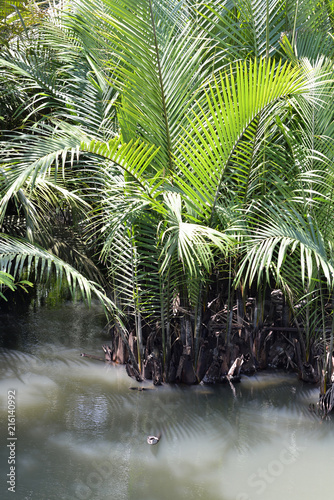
[
  {"x": 139, "y": 335},
  {"x": 198, "y": 324}
]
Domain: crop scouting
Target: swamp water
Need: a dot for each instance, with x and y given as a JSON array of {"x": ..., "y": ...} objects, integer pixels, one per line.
[{"x": 81, "y": 432}]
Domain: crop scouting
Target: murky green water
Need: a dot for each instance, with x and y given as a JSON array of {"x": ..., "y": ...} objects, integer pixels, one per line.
[{"x": 81, "y": 432}]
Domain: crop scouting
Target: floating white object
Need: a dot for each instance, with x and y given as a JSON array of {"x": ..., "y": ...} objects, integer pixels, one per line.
[{"x": 153, "y": 439}]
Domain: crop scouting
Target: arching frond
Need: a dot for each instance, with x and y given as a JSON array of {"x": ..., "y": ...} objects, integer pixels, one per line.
[{"x": 20, "y": 258}]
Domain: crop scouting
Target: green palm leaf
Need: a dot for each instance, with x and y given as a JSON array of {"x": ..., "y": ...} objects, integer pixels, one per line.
[
  {"x": 195, "y": 245},
  {"x": 279, "y": 232},
  {"x": 35, "y": 156},
  {"x": 157, "y": 85},
  {"x": 19, "y": 258},
  {"x": 227, "y": 113}
]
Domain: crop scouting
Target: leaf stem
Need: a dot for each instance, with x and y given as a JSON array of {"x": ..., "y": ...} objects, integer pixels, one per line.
[{"x": 164, "y": 106}]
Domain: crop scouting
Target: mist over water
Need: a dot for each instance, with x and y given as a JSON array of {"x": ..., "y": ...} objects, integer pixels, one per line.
[{"x": 81, "y": 432}]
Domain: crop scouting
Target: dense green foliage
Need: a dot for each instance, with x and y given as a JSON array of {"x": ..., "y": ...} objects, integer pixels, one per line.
[{"x": 166, "y": 150}]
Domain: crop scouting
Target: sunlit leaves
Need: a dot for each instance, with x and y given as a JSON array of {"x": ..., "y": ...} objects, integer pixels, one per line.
[{"x": 233, "y": 102}]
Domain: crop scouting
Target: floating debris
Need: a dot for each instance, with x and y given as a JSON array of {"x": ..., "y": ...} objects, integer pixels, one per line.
[{"x": 153, "y": 439}]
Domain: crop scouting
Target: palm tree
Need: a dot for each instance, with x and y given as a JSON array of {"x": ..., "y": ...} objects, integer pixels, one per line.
[{"x": 171, "y": 157}]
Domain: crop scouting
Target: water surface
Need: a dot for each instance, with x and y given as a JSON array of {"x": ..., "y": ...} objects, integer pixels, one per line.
[{"x": 81, "y": 431}]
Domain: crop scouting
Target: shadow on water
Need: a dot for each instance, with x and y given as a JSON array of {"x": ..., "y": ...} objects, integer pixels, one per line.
[{"x": 82, "y": 431}]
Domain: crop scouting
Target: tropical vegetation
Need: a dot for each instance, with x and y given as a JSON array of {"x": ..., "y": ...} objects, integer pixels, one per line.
[{"x": 175, "y": 160}]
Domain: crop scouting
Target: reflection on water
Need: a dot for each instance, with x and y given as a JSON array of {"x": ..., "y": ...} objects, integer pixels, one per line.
[{"x": 82, "y": 432}]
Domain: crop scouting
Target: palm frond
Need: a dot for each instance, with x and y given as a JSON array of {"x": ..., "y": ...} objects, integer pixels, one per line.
[
  {"x": 228, "y": 111},
  {"x": 35, "y": 156},
  {"x": 21, "y": 258},
  {"x": 277, "y": 235},
  {"x": 157, "y": 85},
  {"x": 194, "y": 244}
]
